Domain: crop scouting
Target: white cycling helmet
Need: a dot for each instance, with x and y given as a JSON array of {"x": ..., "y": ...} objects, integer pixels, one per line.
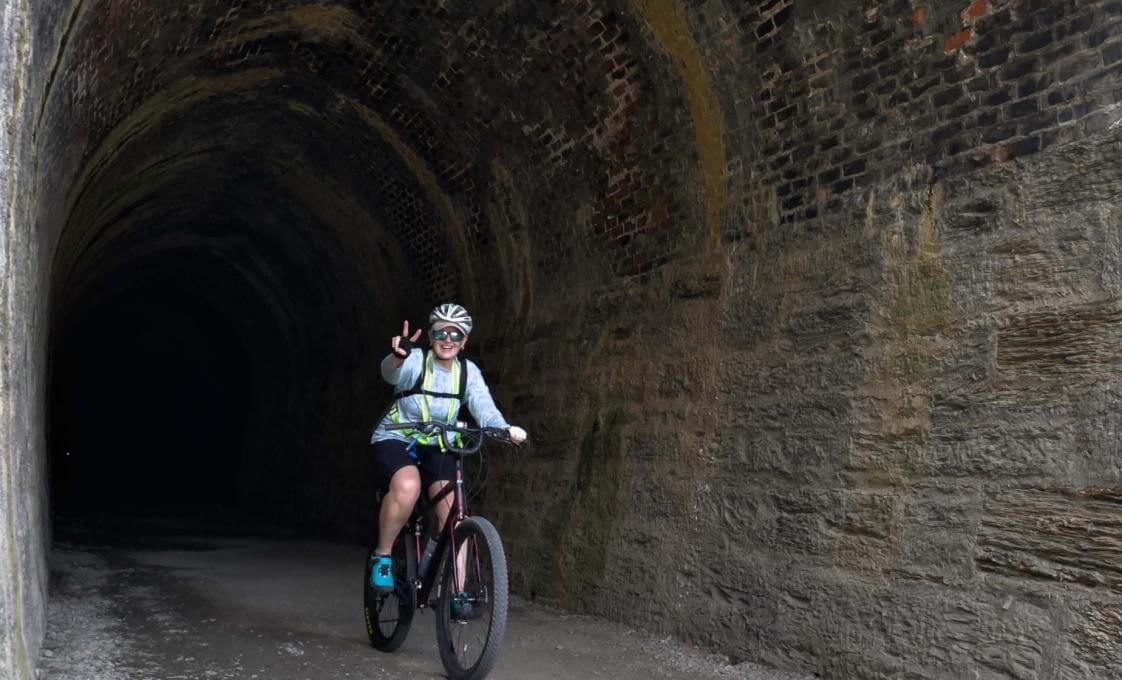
[{"x": 451, "y": 314}]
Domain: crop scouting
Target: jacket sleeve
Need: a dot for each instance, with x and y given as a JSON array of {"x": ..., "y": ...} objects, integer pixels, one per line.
[
  {"x": 402, "y": 377},
  {"x": 479, "y": 401}
]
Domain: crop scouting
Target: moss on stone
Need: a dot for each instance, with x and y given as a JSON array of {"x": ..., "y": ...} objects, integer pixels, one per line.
[{"x": 583, "y": 523}]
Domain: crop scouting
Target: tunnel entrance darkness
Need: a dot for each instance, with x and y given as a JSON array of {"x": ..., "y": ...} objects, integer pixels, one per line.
[
  {"x": 208, "y": 329},
  {"x": 152, "y": 391}
]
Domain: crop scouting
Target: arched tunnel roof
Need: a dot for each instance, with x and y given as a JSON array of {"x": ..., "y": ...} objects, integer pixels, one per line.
[
  {"x": 376, "y": 132},
  {"x": 317, "y": 172}
]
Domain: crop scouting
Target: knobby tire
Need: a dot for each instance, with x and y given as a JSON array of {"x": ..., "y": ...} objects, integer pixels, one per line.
[{"x": 487, "y": 589}]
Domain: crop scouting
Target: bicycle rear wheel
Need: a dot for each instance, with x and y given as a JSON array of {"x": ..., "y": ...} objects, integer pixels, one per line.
[
  {"x": 388, "y": 616},
  {"x": 471, "y": 616}
]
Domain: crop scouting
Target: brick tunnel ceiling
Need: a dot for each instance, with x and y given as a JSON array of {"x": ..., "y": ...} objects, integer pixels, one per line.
[{"x": 263, "y": 192}]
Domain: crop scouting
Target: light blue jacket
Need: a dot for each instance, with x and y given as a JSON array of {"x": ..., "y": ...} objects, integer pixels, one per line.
[{"x": 477, "y": 397}]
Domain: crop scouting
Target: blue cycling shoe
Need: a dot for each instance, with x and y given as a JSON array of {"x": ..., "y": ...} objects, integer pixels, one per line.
[
  {"x": 463, "y": 609},
  {"x": 381, "y": 573}
]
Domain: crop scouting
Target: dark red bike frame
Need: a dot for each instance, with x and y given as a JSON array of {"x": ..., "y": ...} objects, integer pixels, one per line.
[
  {"x": 424, "y": 583},
  {"x": 447, "y": 537}
]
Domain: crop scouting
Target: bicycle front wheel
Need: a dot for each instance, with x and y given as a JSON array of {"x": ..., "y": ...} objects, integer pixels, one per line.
[{"x": 471, "y": 610}]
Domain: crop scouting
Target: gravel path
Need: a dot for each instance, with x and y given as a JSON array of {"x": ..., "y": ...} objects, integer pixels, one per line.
[{"x": 201, "y": 607}]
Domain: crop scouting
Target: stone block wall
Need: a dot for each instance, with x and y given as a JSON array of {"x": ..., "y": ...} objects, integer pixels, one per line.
[
  {"x": 24, "y": 526},
  {"x": 859, "y": 433}
]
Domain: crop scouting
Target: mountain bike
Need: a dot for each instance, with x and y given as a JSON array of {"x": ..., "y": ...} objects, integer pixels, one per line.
[{"x": 466, "y": 588}]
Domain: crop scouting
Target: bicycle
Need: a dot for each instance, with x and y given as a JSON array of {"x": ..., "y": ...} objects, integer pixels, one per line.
[{"x": 470, "y": 592}]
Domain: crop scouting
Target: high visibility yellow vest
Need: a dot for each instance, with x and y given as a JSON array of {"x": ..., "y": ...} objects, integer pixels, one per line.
[{"x": 423, "y": 387}]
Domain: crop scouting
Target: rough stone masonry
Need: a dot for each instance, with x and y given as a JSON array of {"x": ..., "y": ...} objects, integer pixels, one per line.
[
  {"x": 811, "y": 308},
  {"x": 24, "y": 529}
]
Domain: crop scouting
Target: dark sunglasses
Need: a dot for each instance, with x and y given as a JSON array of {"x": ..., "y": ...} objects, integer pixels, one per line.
[{"x": 454, "y": 336}]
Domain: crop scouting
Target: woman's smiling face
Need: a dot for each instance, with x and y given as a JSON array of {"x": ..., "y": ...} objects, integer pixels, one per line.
[{"x": 447, "y": 341}]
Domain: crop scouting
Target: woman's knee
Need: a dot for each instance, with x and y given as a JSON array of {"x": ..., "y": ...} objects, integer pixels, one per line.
[{"x": 406, "y": 485}]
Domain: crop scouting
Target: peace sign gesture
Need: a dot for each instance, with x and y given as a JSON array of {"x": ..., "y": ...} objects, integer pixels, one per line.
[{"x": 403, "y": 344}]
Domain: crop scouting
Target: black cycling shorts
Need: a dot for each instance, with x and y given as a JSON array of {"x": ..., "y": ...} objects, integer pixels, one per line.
[{"x": 390, "y": 455}]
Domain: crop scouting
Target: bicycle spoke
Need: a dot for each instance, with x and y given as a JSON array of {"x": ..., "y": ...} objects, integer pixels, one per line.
[{"x": 388, "y": 623}]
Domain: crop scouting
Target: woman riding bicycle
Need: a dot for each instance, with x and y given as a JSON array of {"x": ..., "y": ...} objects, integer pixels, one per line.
[{"x": 428, "y": 386}]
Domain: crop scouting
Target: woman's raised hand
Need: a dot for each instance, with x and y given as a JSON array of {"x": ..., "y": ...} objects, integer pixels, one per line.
[{"x": 403, "y": 344}]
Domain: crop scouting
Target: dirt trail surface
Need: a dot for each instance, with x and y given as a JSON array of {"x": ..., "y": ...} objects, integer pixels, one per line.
[{"x": 205, "y": 606}]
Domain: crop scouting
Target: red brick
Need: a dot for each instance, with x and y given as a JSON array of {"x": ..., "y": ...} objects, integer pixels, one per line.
[
  {"x": 953, "y": 42},
  {"x": 975, "y": 10}
]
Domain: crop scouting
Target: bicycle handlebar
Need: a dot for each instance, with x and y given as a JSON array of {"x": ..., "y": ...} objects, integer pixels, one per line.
[{"x": 432, "y": 427}]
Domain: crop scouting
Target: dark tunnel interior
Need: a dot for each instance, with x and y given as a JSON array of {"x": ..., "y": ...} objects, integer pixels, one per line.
[
  {"x": 195, "y": 356},
  {"x": 221, "y": 281},
  {"x": 240, "y": 231},
  {"x": 153, "y": 390}
]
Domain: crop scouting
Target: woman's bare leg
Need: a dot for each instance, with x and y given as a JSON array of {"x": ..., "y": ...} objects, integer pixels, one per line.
[{"x": 397, "y": 504}]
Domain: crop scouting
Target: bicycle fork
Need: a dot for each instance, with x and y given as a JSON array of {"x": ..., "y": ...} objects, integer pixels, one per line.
[{"x": 461, "y": 570}]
